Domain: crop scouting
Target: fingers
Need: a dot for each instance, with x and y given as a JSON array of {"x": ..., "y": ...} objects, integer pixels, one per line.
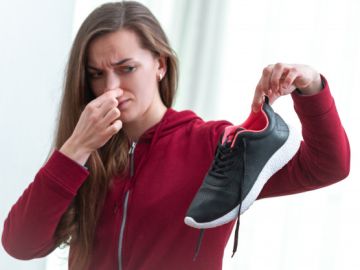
[
  {"x": 105, "y": 103},
  {"x": 111, "y": 94},
  {"x": 276, "y": 80},
  {"x": 113, "y": 128},
  {"x": 105, "y": 116},
  {"x": 264, "y": 88},
  {"x": 111, "y": 116},
  {"x": 108, "y": 105},
  {"x": 278, "y": 73},
  {"x": 289, "y": 79},
  {"x": 258, "y": 97},
  {"x": 98, "y": 122}
]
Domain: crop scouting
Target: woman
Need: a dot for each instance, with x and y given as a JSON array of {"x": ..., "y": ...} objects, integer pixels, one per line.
[{"x": 126, "y": 165}]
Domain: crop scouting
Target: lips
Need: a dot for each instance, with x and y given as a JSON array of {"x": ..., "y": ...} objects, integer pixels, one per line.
[{"x": 123, "y": 103}]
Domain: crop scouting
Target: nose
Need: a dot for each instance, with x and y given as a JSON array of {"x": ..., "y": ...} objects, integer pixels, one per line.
[{"x": 112, "y": 81}]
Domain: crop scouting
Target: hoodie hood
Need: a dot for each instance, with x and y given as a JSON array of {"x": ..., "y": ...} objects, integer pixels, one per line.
[{"x": 171, "y": 121}]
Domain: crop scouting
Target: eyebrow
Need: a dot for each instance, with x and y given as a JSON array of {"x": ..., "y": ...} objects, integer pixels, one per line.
[{"x": 113, "y": 64}]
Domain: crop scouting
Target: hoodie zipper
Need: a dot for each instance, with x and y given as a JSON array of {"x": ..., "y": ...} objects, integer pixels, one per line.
[{"x": 123, "y": 222}]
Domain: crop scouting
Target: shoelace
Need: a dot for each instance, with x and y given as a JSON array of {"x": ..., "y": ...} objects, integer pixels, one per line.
[
  {"x": 236, "y": 236},
  {"x": 218, "y": 168},
  {"x": 223, "y": 160},
  {"x": 197, "y": 250}
]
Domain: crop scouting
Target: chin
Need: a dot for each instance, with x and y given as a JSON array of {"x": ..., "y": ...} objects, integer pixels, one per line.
[{"x": 126, "y": 117}]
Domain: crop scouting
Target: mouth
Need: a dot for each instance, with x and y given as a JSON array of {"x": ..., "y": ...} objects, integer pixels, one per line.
[{"x": 123, "y": 104}]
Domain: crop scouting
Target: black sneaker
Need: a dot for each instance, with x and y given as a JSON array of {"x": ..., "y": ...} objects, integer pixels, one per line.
[{"x": 246, "y": 157}]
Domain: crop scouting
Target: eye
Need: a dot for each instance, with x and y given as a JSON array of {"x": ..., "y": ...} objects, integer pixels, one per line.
[
  {"x": 127, "y": 69},
  {"x": 95, "y": 75}
]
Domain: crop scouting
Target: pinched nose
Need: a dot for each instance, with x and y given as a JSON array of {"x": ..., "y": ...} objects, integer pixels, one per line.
[{"x": 112, "y": 81}]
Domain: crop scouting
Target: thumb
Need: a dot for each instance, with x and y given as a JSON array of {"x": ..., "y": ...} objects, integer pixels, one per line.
[{"x": 257, "y": 100}]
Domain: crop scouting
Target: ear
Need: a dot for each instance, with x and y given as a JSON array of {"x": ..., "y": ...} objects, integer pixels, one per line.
[{"x": 162, "y": 67}]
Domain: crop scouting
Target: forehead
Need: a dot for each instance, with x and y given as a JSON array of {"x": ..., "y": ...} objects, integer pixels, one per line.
[{"x": 114, "y": 46}]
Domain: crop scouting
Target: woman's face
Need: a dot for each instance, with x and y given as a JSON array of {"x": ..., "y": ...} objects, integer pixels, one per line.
[{"x": 116, "y": 60}]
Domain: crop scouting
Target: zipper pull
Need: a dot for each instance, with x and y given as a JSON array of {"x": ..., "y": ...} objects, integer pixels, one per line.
[{"x": 131, "y": 154}]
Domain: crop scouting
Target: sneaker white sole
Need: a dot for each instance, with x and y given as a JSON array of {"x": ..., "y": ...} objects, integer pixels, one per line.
[{"x": 278, "y": 160}]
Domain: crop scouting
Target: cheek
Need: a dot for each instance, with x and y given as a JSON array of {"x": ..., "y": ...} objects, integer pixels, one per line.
[
  {"x": 96, "y": 88},
  {"x": 147, "y": 80},
  {"x": 146, "y": 88}
]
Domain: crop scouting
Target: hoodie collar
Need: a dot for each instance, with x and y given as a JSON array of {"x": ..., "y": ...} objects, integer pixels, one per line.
[{"x": 170, "y": 122}]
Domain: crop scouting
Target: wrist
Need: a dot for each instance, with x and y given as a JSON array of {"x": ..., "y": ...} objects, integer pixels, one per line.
[
  {"x": 76, "y": 153},
  {"x": 313, "y": 88}
]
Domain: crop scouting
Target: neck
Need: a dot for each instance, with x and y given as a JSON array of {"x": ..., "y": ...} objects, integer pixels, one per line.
[{"x": 135, "y": 129}]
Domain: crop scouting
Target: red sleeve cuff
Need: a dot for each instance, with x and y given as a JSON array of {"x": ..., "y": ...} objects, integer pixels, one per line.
[
  {"x": 314, "y": 105},
  {"x": 66, "y": 172}
]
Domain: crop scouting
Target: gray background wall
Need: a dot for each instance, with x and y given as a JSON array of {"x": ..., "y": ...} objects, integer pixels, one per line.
[{"x": 34, "y": 41}]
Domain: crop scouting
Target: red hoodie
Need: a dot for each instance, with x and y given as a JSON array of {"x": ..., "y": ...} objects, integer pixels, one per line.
[{"x": 141, "y": 226}]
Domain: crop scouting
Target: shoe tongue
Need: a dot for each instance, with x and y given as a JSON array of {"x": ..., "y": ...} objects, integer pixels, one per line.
[{"x": 229, "y": 134}]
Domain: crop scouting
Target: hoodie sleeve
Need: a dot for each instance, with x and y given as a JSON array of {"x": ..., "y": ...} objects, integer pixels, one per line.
[
  {"x": 324, "y": 154},
  {"x": 31, "y": 223}
]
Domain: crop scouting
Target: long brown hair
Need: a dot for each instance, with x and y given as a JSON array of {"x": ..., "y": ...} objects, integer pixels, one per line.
[{"x": 78, "y": 224}]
